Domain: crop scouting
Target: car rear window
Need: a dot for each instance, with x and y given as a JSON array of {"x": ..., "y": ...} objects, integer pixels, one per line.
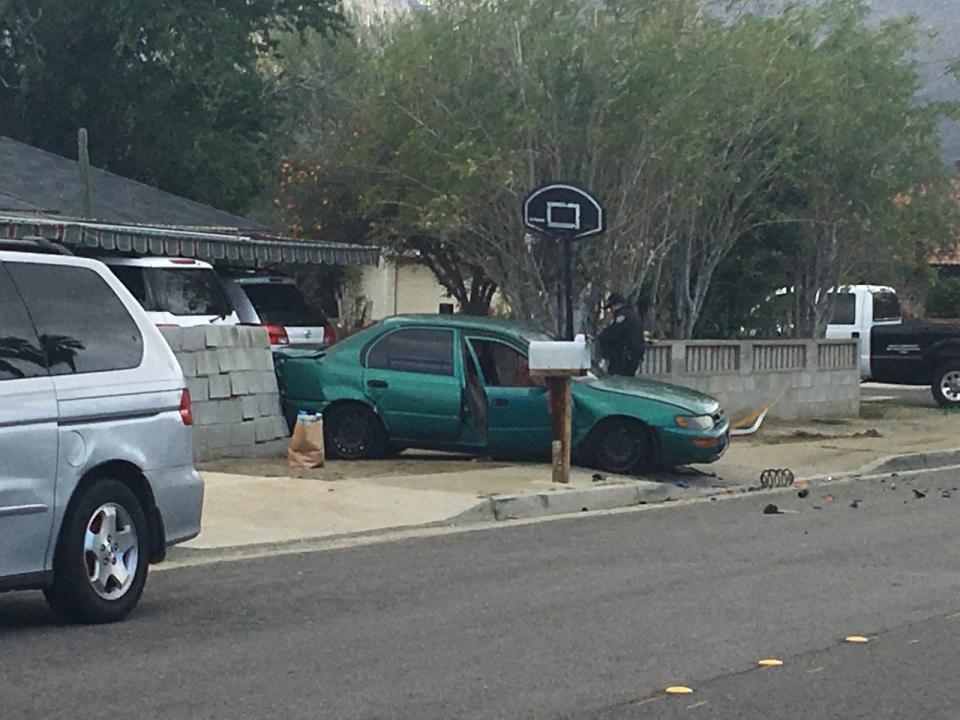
[
  {"x": 82, "y": 324},
  {"x": 20, "y": 353},
  {"x": 186, "y": 291},
  {"x": 282, "y": 304}
]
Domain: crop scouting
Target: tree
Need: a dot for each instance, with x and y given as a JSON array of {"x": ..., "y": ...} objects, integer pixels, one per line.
[
  {"x": 700, "y": 131},
  {"x": 172, "y": 93}
]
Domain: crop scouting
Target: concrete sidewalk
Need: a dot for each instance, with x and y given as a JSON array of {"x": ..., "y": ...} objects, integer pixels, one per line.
[{"x": 260, "y": 502}]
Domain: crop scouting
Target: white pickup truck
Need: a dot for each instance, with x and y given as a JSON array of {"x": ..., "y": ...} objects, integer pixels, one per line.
[{"x": 892, "y": 351}]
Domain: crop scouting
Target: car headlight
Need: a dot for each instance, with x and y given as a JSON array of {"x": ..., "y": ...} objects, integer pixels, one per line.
[{"x": 695, "y": 422}]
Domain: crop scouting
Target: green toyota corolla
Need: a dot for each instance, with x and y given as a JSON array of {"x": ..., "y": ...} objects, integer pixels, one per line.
[{"x": 454, "y": 382}]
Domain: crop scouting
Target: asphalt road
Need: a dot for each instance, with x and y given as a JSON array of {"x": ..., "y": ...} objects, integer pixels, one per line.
[{"x": 581, "y": 618}]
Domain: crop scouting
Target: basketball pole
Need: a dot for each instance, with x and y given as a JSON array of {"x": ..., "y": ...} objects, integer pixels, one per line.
[{"x": 568, "y": 286}]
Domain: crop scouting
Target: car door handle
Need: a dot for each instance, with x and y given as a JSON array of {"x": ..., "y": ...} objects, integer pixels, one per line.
[
  {"x": 501, "y": 402},
  {"x": 377, "y": 383}
]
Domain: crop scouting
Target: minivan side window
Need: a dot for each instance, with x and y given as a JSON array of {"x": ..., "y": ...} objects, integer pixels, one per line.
[
  {"x": 429, "y": 352},
  {"x": 83, "y": 326},
  {"x": 20, "y": 353}
]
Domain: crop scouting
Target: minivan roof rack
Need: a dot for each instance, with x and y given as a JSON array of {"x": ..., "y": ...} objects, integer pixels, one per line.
[{"x": 34, "y": 243}]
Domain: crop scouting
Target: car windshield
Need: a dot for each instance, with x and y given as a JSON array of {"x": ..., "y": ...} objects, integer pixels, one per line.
[
  {"x": 282, "y": 304},
  {"x": 187, "y": 291}
]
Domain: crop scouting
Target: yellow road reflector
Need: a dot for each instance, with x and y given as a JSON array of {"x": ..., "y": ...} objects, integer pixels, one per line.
[
  {"x": 858, "y": 639},
  {"x": 678, "y": 690},
  {"x": 770, "y": 662}
]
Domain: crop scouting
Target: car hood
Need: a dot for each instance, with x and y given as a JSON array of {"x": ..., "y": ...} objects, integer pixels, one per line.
[{"x": 685, "y": 398}]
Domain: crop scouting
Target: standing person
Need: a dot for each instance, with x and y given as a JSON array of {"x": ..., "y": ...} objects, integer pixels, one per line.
[{"x": 621, "y": 342}]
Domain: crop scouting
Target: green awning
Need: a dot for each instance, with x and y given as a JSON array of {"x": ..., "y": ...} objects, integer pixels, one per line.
[{"x": 211, "y": 244}]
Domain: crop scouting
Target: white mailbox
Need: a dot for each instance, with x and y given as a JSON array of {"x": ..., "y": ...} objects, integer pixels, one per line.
[{"x": 560, "y": 356}]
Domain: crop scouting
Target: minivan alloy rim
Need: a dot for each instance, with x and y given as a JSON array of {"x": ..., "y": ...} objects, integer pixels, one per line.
[
  {"x": 950, "y": 386},
  {"x": 111, "y": 551}
]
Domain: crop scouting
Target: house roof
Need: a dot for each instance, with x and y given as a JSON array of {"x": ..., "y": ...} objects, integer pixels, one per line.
[
  {"x": 40, "y": 197},
  {"x": 37, "y": 180}
]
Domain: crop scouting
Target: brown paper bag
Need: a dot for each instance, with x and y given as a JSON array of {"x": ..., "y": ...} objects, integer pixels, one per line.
[{"x": 306, "y": 446}]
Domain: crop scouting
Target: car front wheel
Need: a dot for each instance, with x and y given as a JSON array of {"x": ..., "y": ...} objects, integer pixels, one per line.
[
  {"x": 622, "y": 447},
  {"x": 946, "y": 385},
  {"x": 100, "y": 565}
]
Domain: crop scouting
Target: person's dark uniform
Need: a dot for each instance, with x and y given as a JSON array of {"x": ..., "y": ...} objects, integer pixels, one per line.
[{"x": 621, "y": 342}]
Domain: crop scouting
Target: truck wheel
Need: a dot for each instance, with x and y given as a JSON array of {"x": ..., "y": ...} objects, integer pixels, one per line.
[
  {"x": 946, "y": 385},
  {"x": 100, "y": 565}
]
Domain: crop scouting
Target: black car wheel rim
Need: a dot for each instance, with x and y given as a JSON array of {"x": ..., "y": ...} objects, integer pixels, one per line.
[
  {"x": 353, "y": 435},
  {"x": 620, "y": 449}
]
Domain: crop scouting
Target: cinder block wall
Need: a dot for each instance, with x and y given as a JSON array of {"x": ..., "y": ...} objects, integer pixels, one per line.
[
  {"x": 236, "y": 401},
  {"x": 804, "y": 379}
]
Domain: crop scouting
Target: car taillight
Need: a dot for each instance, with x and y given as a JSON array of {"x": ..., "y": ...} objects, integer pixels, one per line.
[
  {"x": 186, "y": 408},
  {"x": 329, "y": 334},
  {"x": 278, "y": 334}
]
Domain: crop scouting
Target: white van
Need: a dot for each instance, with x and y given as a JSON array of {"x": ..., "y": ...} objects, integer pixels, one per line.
[
  {"x": 96, "y": 443},
  {"x": 277, "y": 303},
  {"x": 179, "y": 292}
]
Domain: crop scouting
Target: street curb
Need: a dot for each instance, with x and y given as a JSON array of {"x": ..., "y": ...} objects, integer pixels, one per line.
[
  {"x": 576, "y": 500},
  {"x": 912, "y": 461}
]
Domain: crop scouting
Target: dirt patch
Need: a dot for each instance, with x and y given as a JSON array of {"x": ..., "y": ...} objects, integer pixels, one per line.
[{"x": 409, "y": 463}]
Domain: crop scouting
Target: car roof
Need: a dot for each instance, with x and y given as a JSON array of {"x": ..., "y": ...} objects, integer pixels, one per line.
[
  {"x": 12, "y": 256},
  {"x": 159, "y": 262},
  {"x": 467, "y": 322}
]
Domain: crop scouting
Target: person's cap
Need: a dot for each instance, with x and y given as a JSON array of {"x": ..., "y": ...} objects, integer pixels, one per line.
[{"x": 613, "y": 298}]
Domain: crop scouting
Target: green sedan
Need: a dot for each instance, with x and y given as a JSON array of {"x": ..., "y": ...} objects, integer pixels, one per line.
[{"x": 460, "y": 383}]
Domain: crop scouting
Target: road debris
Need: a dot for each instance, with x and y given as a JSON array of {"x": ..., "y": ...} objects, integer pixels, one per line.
[
  {"x": 771, "y": 509},
  {"x": 918, "y": 494},
  {"x": 856, "y": 503},
  {"x": 776, "y": 477},
  {"x": 597, "y": 477},
  {"x": 803, "y": 493},
  {"x": 770, "y": 662},
  {"x": 857, "y": 639},
  {"x": 678, "y": 690}
]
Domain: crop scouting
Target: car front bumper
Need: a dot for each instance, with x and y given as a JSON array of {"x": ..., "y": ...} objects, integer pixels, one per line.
[{"x": 684, "y": 447}]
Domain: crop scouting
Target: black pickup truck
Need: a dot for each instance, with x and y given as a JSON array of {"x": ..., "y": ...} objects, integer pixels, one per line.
[{"x": 918, "y": 354}]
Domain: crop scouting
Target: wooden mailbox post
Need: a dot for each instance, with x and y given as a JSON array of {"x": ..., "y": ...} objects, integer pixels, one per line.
[{"x": 558, "y": 363}]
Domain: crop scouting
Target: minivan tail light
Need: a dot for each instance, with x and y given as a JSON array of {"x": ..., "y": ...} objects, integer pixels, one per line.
[
  {"x": 186, "y": 407},
  {"x": 278, "y": 334}
]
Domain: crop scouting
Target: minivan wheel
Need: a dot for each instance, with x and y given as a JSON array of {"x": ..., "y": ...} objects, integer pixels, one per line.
[
  {"x": 101, "y": 562},
  {"x": 352, "y": 432},
  {"x": 946, "y": 385}
]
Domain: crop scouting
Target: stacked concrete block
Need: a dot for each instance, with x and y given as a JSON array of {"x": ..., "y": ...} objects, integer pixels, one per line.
[{"x": 236, "y": 401}]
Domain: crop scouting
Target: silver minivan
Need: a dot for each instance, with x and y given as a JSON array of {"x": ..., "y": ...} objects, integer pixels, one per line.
[{"x": 96, "y": 448}]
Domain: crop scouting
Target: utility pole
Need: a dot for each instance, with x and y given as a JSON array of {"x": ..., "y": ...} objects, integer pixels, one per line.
[{"x": 83, "y": 157}]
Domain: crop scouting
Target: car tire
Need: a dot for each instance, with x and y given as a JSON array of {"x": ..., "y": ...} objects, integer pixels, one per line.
[
  {"x": 102, "y": 556},
  {"x": 946, "y": 385},
  {"x": 622, "y": 447},
  {"x": 353, "y": 432}
]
